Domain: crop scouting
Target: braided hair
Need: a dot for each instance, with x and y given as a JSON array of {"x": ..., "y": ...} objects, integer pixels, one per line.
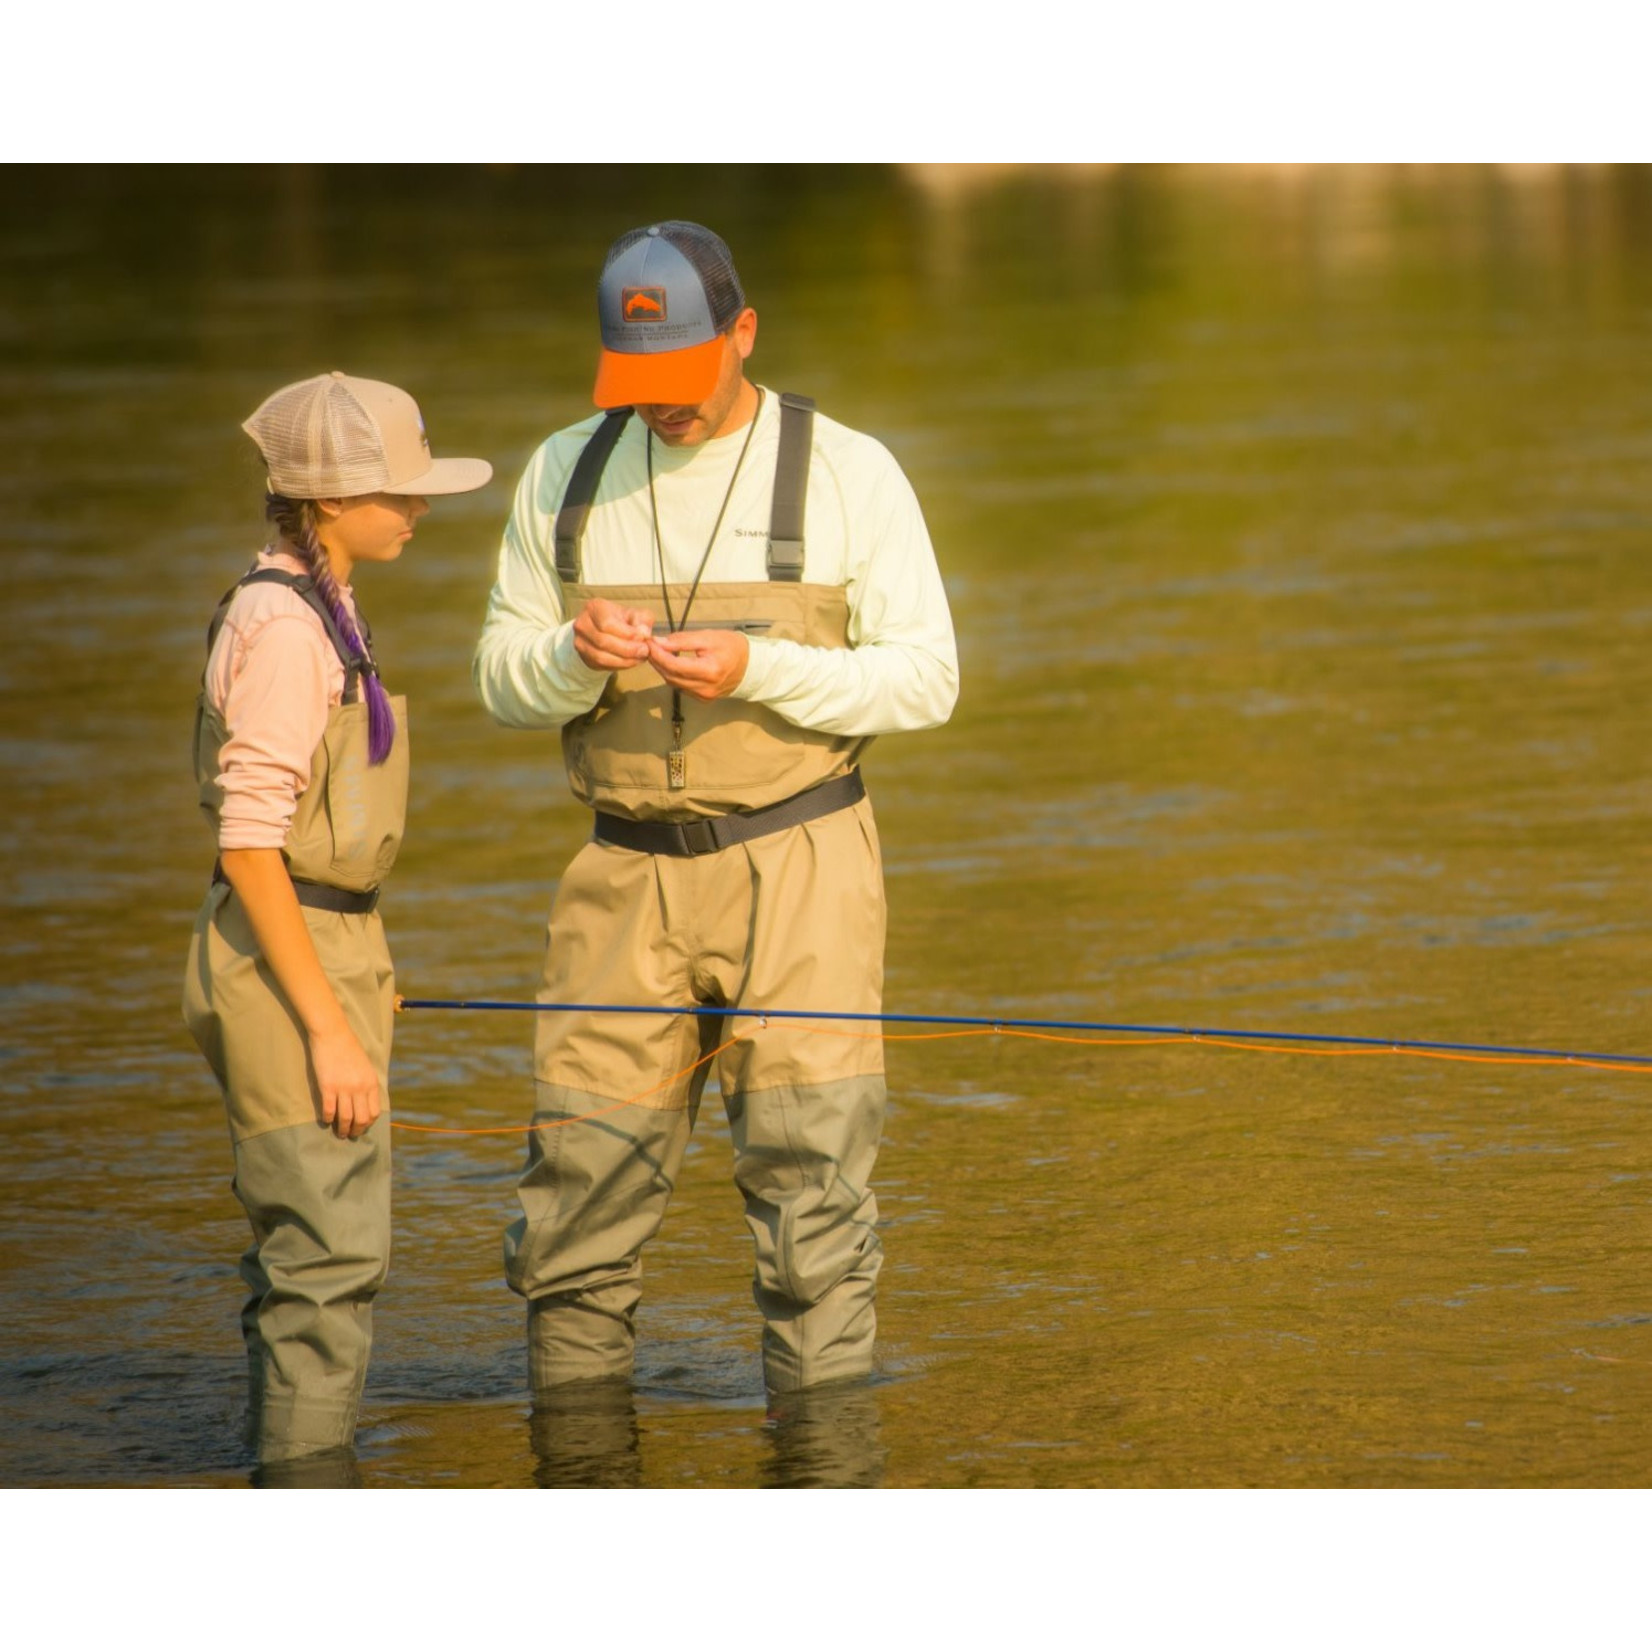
[{"x": 295, "y": 521}]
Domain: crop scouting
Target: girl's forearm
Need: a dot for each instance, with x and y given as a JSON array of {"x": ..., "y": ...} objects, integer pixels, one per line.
[{"x": 260, "y": 878}]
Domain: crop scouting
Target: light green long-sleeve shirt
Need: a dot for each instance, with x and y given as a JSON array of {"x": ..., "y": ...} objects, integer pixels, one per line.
[{"x": 863, "y": 531}]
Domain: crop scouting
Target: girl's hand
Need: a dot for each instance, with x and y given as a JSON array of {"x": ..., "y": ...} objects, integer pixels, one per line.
[
  {"x": 346, "y": 1079},
  {"x": 348, "y": 1083}
]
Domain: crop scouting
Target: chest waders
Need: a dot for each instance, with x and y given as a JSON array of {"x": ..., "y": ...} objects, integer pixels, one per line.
[
  {"x": 319, "y": 1207},
  {"x": 732, "y": 758},
  {"x": 757, "y": 880}
]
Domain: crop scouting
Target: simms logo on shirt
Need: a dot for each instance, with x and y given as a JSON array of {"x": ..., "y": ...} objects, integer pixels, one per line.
[{"x": 643, "y": 303}]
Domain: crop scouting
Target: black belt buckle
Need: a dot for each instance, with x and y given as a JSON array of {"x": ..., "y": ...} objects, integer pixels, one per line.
[{"x": 699, "y": 837}]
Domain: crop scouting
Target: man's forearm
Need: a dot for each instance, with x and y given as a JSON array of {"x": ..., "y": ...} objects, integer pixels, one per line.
[
  {"x": 529, "y": 676},
  {"x": 878, "y": 688}
]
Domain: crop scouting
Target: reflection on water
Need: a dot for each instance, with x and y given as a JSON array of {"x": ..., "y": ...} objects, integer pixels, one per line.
[
  {"x": 321, "y": 1471},
  {"x": 585, "y": 1434},
  {"x": 825, "y": 1437},
  {"x": 1295, "y": 524}
]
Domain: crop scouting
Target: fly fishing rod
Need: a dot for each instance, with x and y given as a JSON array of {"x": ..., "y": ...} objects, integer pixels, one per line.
[{"x": 1001, "y": 1023}]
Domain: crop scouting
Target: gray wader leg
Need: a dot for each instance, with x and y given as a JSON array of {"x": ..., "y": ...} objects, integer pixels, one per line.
[
  {"x": 593, "y": 1195},
  {"x": 802, "y": 1157},
  {"x": 320, "y": 1214}
]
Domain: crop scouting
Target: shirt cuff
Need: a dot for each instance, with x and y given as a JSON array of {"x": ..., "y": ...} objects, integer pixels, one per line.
[
  {"x": 757, "y": 683},
  {"x": 569, "y": 666}
]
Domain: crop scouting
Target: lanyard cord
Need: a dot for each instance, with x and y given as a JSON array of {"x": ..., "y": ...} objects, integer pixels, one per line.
[
  {"x": 674, "y": 761},
  {"x": 659, "y": 541}
]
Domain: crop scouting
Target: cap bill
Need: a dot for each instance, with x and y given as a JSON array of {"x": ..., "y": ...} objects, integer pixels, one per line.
[
  {"x": 447, "y": 476},
  {"x": 663, "y": 378}
]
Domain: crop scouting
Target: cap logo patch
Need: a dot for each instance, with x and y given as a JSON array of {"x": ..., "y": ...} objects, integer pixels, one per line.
[{"x": 643, "y": 303}]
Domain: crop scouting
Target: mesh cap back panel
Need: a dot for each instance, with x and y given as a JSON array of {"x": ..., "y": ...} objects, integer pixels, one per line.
[
  {"x": 707, "y": 252},
  {"x": 321, "y": 440},
  {"x": 339, "y": 426}
]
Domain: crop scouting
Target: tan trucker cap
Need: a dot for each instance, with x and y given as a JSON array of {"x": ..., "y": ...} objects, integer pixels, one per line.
[{"x": 335, "y": 437}]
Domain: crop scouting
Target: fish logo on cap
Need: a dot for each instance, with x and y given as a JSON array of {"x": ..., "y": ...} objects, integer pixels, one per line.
[{"x": 643, "y": 303}]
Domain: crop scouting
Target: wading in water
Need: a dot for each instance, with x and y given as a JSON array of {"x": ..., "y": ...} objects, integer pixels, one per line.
[
  {"x": 302, "y": 762},
  {"x": 719, "y": 597}
]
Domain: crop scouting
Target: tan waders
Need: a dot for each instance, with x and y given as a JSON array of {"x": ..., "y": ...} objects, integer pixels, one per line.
[
  {"x": 793, "y": 918},
  {"x": 319, "y": 1207}
]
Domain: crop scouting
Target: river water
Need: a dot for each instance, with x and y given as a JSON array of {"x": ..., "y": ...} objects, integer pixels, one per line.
[{"x": 1295, "y": 523}]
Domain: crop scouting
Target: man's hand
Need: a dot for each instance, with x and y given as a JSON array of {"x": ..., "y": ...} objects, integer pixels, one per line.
[
  {"x": 706, "y": 664},
  {"x": 610, "y": 638}
]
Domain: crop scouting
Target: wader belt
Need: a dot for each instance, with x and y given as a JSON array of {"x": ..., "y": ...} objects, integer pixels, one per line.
[
  {"x": 706, "y": 837},
  {"x": 323, "y": 896},
  {"x": 791, "y": 488},
  {"x": 303, "y": 586}
]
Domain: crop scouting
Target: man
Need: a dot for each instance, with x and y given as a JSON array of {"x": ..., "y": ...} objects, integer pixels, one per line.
[{"x": 719, "y": 602}]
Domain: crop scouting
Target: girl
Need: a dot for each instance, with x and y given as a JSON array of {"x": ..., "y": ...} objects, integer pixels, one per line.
[{"x": 301, "y": 760}]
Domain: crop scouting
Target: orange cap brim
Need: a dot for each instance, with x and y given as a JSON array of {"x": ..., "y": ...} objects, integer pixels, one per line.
[{"x": 668, "y": 378}]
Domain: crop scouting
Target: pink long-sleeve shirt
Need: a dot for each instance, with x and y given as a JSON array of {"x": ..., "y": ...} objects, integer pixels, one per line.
[{"x": 273, "y": 675}]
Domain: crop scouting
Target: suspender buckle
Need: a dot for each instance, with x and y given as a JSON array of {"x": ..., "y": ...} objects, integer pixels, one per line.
[{"x": 786, "y": 560}]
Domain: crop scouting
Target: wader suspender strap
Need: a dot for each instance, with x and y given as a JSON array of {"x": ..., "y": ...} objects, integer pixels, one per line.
[
  {"x": 354, "y": 664},
  {"x": 582, "y": 490},
  {"x": 320, "y": 895},
  {"x": 791, "y": 488}
]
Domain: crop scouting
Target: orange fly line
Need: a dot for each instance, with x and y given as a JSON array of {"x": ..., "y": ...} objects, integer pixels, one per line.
[{"x": 1260, "y": 1043}]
